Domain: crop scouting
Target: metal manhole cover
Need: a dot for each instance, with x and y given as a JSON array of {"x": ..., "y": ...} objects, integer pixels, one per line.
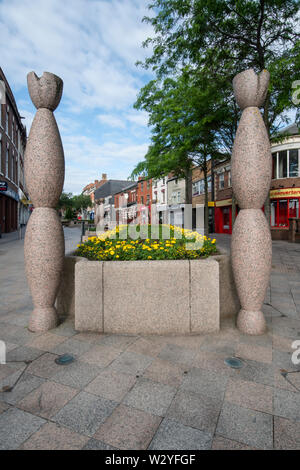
[{"x": 234, "y": 362}]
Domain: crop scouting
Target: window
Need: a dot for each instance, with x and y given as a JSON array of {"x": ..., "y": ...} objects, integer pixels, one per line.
[
  {"x": 293, "y": 163},
  {"x": 294, "y": 208},
  {"x": 142, "y": 199},
  {"x": 221, "y": 181},
  {"x": 279, "y": 213},
  {"x": 7, "y": 117},
  {"x": 6, "y": 160},
  {"x": 274, "y": 165},
  {"x": 229, "y": 179},
  {"x": 195, "y": 189},
  {"x": 142, "y": 185},
  {"x": 285, "y": 164},
  {"x": 148, "y": 184},
  {"x": 282, "y": 164},
  {"x": 178, "y": 196},
  {"x": 12, "y": 170}
]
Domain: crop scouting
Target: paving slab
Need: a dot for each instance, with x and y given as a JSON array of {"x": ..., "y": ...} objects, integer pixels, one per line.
[
  {"x": 131, "y": 363},
  {"x": 25, "y": 385},
  {"x": 51, "y": 436},
  {"x": 250, "y": 395},
  {"x": 16, "y": 426},
  {"x": 286, "y": 434},
  {"x": 128, "y": 428},
  {"x": 172, "y": 435},
  {"x": 111, "y": 385},
  {"x": 165, "y": 372},
  {"x": 47, "y": 399},
  {"x": 287, "y": 404},
  {"x": 246, "y": 426},
  {"x": 195, "y": 410},
  {"x": 149, "y": 396},
  {"x": 77, "y": 374},
  {"x": 206, "y": 382},
  {"x": 85, "y": 413}
]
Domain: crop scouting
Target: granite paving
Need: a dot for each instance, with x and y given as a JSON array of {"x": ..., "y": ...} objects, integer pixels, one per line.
[{"x": 150, "y": 392}]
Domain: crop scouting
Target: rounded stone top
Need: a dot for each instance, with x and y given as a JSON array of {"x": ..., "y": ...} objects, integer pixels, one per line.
[
  {"x": 45, "y": 91},
  {"x": 251, "y": 89}
]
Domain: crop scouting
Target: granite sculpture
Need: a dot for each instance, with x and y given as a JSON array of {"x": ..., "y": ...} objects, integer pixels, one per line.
[
  {"x": 44, "y": 174},
  {"x": 251, "y": 170}
]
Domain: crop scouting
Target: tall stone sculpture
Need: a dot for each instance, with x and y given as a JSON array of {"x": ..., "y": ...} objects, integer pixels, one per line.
[
  {"x": 44, "y": 174},
  {"x": 251, "y": 167}
]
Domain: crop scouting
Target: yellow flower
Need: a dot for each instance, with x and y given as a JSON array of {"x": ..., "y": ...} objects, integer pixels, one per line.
[{"x": 214, "y": 240}]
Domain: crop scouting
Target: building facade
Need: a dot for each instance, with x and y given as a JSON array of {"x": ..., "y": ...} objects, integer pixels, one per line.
[
  {"x": 126, "y": 205},
  {"x": 14, "y": 203},
  {"x": 176, "y": 200},
  {"x": 284, "y": 190},
  {"x": 159, "y": 201},
  {"x": 144, "y": 200}
]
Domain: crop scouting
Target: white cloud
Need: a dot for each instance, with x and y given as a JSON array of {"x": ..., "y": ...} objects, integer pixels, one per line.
[
  {"x": 110, "y": 120},
  {"x": 93, "y": 46}
]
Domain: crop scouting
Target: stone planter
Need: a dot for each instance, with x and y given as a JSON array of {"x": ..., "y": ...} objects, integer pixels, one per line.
[{"x": 148, "y": 297}]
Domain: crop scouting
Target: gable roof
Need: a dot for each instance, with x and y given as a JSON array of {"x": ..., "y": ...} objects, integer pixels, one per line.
[{"x": 110, "y": 188}]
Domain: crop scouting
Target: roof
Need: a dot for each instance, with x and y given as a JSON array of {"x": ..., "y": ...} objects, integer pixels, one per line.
[
  {"x": 292, "y": 129},
  {"x": 110, "y": 188},
  {"x": 132, "y": 184}
]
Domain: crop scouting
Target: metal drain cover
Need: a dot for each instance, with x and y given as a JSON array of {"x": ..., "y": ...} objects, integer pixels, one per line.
[
  {"x": 64, "y": 359},
  {"x": 234, "y": 362}
]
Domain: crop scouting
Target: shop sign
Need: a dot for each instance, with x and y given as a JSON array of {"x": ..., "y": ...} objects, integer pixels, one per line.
[
  {"x": 284, "y": 192},
  {"x": 3, "y": 185},
  {"x": 225, "y": 202}
]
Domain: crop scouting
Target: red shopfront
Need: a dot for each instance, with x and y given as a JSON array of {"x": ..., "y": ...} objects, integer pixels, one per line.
[
  {"x": 284, "y": 205},
  {"x": 223, "y": 216}
]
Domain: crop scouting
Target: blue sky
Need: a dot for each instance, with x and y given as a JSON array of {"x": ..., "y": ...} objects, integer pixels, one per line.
[{"x": 93, "y": 46}]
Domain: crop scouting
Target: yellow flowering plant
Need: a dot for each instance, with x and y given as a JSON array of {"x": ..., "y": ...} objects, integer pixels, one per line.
[{"x": 128, "y": 243}]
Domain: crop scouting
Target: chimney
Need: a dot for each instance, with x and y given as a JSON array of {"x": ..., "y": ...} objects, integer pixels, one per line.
[{"x": 104, "y": 176}]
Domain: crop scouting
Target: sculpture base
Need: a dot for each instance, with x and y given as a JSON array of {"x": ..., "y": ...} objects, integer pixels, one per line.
[
  {"x": 43, "y": 319},
  {"x": 251, "y": 322}
]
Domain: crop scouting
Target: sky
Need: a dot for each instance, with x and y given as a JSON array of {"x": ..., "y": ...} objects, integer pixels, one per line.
[{"x": 93, "y": 46}]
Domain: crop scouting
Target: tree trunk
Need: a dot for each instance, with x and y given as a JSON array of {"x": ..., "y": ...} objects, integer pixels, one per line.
[
  {"x": 267, "y": 204},
  {"x": 205, "y": 197},
  {"x": 188, "y": 186}
]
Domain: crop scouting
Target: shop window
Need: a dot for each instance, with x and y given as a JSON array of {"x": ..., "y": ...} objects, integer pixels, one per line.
[
  {"x": 294, "y": 208},
  {"x": 274, "y": 214},
  {"x": 293, "y": 163},
  {"x": 282, "y": 213},
  {"x": 282, "y": 164},
  {"x": 226, "y": 218}
]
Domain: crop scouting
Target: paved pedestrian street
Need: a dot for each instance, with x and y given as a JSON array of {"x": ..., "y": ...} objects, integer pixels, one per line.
[{"x": 154, "y": 392}]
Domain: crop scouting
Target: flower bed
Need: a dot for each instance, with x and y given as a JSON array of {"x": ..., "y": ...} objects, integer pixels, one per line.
[{"x": 131, "y": 243}]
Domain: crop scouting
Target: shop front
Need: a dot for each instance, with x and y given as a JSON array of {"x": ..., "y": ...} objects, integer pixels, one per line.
[
  {"x": 284, "y": 205},
  {"x": 223, "y": 216}
]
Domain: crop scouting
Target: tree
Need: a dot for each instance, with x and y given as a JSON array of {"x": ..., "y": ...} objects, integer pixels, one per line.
[
  {"x": 81, "y": 202},
  {"x": 224, "y": 37},
  {"x": 186, "y": 117}
]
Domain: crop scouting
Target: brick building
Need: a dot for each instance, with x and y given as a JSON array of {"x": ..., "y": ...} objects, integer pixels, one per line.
[
  {"x": 144, "y": 199},
  {"x": 126, "y": 204},
  {"x": 14, "y": 203},
  {"x": 284, "y": 190}
]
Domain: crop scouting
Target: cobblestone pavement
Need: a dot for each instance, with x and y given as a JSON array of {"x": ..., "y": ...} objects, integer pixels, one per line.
[{"x": 135, "y": 392}]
